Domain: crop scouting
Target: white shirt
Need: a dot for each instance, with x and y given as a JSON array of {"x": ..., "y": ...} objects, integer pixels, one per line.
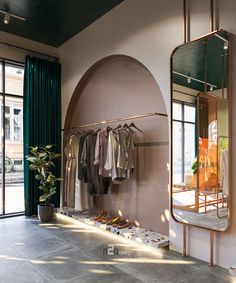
[{"x": 224, "y": 171}]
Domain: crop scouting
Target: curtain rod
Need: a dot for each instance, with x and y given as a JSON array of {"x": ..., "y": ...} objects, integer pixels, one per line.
[
  {"x": 28, "y": 50},
  {"x": 118, "y": 120}
]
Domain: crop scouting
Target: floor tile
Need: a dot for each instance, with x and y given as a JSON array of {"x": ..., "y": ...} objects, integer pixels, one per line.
[
  {"x": 23, "y": 274},
  {"x": 57, "y": 252},
  {"x": 66, "y": 265},
  {"x": 208, "y": 276},
  {"x": 110, "y": 275},
  {"x": 10, "y": 259}
]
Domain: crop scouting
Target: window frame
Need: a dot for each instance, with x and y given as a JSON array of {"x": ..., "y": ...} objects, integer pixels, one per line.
[
  {"x": 183, "y": 122},
  {"x": 3, "y": 94}
]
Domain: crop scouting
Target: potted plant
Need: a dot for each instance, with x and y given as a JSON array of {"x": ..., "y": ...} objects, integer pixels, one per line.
[{"x": 42, "y": 162}]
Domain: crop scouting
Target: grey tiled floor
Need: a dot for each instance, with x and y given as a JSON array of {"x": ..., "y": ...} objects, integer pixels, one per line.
[{"x": 60, "y": 252}]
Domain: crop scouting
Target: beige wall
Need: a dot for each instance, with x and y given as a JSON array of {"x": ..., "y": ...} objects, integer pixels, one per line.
[
  {"x": 117, "y": 89},
  {"x": 12, "y": 53},
  {"x": 148, "y": 31}
]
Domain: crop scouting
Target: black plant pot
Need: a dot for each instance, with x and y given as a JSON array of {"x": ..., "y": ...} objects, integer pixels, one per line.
[{"x": 45, "y": 212}]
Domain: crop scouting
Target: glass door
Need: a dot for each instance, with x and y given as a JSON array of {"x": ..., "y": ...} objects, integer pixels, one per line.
[{"x": 11, "y": 146}]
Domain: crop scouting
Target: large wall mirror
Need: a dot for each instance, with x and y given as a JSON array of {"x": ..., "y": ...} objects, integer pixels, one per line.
[{"x": 200, "y": 130}]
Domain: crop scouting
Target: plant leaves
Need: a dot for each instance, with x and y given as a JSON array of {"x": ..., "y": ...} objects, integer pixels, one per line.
[
  {"x": 42, "y": 154},
  {"x": 38, "y": 177},
  {"x": 43, "y": 197},
  {"x": 49, "y": 146},
  {"x": 42, "y": 187},
  {"x": 42, "y": 160},
  {"x": 33, "y": 167},
  {"x": 43, "y": 173},
  {"x": 32, "y": 159},
  {"x": 33, "y": 149},
  {"x": 59, "y": 179},
  {"x": 46, "y": 195}
]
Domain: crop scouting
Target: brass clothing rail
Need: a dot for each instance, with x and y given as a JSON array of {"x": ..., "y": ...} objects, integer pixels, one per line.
[{"x": 117, "y": 120}]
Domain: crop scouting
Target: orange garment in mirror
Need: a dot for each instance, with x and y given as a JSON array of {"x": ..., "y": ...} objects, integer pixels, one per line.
[{"x": 207, "y": 165}]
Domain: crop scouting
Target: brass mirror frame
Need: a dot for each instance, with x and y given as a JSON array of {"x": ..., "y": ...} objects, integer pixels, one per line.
[{"x": 229, "y": 96}]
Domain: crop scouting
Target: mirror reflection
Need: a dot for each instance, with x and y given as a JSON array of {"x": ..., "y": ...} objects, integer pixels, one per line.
[{"x": 200, "y": 132}]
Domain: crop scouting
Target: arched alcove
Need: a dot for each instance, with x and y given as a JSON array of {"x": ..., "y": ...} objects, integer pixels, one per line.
[{"x": 120, "y": 86}]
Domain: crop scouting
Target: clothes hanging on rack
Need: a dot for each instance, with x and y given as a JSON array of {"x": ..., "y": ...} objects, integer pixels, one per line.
[
  {"x": 224, "y": 171},
  {"x": 125, "y": 158},
  {"x": 101, "y": 152},
  {"x": 70, "y": 174},
  {"x": 114, "y": 150},
  {"x": 112, "y": 154},
  {"x": 81, "y": 194},
  {"x": 82, "y": 172},
  {"x": 102, "y": 156},
  {"x": 96, "y": 184}
]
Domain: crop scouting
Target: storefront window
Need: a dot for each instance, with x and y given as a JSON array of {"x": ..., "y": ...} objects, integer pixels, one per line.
[{"x": 11, "y": 113}]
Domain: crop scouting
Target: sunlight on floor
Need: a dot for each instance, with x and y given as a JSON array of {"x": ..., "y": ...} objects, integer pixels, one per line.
[
  {"x": 47, "y": 261},
  {"x": 98, "y": 271},
  {"x": 99, "y": 262},
  {"x": 33, "y": 261},
  {"x": 12, "y": 258},
  {"x": 150, "y": 260}
]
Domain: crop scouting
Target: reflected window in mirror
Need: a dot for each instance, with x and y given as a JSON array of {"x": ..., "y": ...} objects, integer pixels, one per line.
[{"x": 184, "y": 139}]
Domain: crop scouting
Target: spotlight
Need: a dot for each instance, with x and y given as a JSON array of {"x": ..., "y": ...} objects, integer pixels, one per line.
[
  {"x": 7, "y": 19},
  {"x": 211, "y": 88},
  {"x": 188, "y": 80},
  {"x": 226, "y": 45},
  {"x": 8, "y": 15}
]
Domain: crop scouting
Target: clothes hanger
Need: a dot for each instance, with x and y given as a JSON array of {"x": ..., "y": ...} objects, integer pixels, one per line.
[
  {"x": 126, "y": 127},
  {"x": 108, "y": 129},
  {"x": 97, "y": 131},
  {"x": 134, "y": 126},
  {"x": 119, "y": 126}
]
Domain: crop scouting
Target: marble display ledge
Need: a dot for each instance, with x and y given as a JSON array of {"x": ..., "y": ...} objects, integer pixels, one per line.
[{"x": 137, "y": 234}]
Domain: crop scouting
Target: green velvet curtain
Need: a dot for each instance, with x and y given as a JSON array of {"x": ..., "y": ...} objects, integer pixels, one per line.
[{"x": 42, "y": 120}]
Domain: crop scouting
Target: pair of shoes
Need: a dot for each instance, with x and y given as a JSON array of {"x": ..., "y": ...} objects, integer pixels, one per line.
[
  {"x": 126, "y": 225},
  {"x": 109, "y": 220},
  {"x": 103, "y": 219},
  {"x": 120, "y": 223},
  {"x": 114, "y": 221},
  {"x": 101, "y": 215}
]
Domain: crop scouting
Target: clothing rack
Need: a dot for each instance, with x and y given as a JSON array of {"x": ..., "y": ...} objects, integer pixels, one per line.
[{"x": 117, "y": 120}]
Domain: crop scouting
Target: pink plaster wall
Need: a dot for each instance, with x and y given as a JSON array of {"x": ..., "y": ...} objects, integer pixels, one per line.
[{"x": 122, "y": 87}]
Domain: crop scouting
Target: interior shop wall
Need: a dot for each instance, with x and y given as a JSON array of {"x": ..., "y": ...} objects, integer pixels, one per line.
[
  {"x": 19, "y": 55},
  {"x": 149, "y": 31},
  {"x": 122, "y": 87}
]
